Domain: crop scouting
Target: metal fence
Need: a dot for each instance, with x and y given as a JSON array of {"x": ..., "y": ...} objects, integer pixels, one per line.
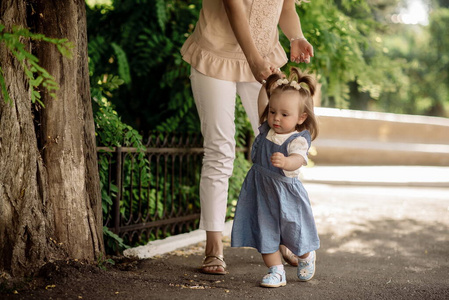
[{"x": 155, "y": 193}]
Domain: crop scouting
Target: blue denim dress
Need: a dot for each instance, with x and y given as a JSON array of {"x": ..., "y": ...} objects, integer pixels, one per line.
[{"x": 273, "y": 209}]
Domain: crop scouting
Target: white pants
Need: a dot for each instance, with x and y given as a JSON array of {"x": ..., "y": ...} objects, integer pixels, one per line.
[{"x": 215, "y": 102}]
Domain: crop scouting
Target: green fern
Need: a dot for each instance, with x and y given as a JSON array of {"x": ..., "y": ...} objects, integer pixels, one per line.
[
  {"x": 123, "y": 66},
  {"x": 3, "y": 87},
  {"x": 37, "y": 76},
  {"x": 161, "y": 14},
  {"x": 113, "y": 241}
]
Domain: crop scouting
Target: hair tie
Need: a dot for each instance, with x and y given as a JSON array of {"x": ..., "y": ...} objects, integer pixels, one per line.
[
  {"x": 279, "y": 82},
  {"x": 285, "y": 81},
  {"x": 296, "y": 85}
]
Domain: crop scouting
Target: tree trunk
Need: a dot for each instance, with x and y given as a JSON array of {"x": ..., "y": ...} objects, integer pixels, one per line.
[{"x": 50, "y": 200}]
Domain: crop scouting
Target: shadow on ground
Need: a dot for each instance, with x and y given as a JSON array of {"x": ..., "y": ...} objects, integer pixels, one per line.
[
  {"x": 381, "y": 259},
  {"x": 374, "y": 245}
]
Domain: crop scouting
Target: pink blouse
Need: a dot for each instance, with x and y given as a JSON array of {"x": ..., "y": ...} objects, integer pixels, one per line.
[{"x": 213, "y": 50}]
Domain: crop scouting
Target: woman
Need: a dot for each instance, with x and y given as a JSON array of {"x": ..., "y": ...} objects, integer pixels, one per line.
[{"x": 233, "y": 49}]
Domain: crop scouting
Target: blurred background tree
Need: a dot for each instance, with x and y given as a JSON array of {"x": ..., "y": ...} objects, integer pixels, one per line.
[
  {"x": 416, "y": 52},
  {"x": 366, "y": 58},
  {"x": 139, "y": 42}
]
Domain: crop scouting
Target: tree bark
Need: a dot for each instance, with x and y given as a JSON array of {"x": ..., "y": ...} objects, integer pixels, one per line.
[{"x": 50, "y": 200}]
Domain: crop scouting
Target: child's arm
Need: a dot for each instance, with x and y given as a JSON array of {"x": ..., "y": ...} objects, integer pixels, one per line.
[
  {"x": 297, "y": 155},
  {"x": 287, "y": 163},
  {"x": 262, "y": 100}
]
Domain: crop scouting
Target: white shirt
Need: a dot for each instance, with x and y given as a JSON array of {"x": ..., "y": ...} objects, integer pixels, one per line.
[{"x": 297, "y": 146}]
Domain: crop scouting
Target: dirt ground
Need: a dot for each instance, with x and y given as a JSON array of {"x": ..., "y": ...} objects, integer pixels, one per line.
[{"x": 376, "y": 243}]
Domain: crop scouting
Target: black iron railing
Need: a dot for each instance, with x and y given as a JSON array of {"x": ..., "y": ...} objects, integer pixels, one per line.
[{"x": 153, "y": 193}]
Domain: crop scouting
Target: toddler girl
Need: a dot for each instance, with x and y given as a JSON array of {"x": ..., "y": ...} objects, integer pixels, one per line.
[{"x": 273, "y": 207}]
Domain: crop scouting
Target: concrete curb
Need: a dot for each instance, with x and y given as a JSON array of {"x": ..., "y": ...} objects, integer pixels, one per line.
[{"x": 171, "y": 243}]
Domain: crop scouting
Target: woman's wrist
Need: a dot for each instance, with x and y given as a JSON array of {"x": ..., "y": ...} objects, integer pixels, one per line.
[
  {"x": 255, "y": 62},
  {"x": 254, "y": 57},
  {"x": 297, "y": 38}
]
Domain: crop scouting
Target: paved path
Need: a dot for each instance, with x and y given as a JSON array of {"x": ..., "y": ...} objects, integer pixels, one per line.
[
  {"x": 377, "y": 242},
  {"x": 384, "y": 235}
]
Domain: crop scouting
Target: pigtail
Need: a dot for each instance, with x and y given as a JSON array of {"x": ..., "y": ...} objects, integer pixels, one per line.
[
  {"x": 306, "y": 79},
  {"x": 305, "y": 85},
  {"x": 269, "y": 87},
  {"x": 307, "y": 91}
]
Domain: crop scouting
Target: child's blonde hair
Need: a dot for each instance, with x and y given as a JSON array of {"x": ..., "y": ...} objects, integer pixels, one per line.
[{"x": 305, "y": 85}]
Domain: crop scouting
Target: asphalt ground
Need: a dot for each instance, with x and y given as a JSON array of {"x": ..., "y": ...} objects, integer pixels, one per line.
[
  {"x": 386, "y": 241},
  {"x": 384, "y": 235}
]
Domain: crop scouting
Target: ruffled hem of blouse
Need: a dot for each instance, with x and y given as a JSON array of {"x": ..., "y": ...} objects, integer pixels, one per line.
[{"x": 230, "y": 69}]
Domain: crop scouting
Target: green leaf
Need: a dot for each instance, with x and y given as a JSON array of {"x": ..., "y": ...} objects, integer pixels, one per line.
[
  {"x": 37, "y": 81},
  {"x": 161, "y": 14},
  {"x": 35, "y": 95},
  {"x": 36, "y": 75},
  {"x": 3, "y": 88},
  {"x": 123, "y": 66}
]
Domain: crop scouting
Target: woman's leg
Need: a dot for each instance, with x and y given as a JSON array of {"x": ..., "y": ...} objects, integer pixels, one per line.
[
  {"x": 215, "y": 102},
  {"x": 249, "y": 92},
  {"x": 289, "y": 256}
]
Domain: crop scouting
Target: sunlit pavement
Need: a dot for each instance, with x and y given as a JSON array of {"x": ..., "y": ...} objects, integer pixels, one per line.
[
  {"x": 384, "y": 235},
  {"x": 430, "y": 176},
  {"x": 389, "y": 240}
]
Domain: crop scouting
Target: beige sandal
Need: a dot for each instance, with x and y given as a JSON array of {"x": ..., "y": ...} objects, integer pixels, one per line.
[
  {"x": 289, "y": 256},
  {"x": 213, "y": 261}
]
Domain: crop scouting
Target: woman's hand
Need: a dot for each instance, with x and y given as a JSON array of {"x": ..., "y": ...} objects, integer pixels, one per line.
[
  {"x": 261, "y": 69},
  {"x": 300, "y": 51}
]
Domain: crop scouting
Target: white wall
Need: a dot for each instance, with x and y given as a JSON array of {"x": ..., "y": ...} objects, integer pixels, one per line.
[{"x": 349, "y": 137}]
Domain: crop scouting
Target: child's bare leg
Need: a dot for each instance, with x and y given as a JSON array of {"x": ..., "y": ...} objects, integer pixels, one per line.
[
  {"x": 272, "y": 259},
  {"x": 306, "y": 267},
  {"x": 276, "y": 273}
]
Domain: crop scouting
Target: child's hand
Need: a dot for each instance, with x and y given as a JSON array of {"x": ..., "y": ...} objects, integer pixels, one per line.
[{"x": 278, "y": 160}]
